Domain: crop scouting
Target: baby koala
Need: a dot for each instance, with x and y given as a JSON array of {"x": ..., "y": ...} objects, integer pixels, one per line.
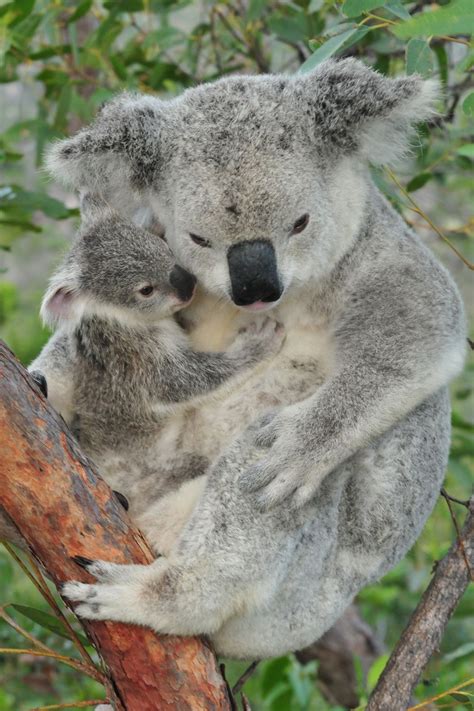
[{"x": 118, "y": 360}]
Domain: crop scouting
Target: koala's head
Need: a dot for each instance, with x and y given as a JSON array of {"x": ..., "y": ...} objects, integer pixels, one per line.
[
  {"x": 259, "y": 182},
  {"x": 116, "y": 270}
]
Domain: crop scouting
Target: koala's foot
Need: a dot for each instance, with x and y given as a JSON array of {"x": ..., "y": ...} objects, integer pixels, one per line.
[
  {"x": 120, "y": 593},
  {"x": 40, "y": 381},
  {"x": 169, "y": 599}
]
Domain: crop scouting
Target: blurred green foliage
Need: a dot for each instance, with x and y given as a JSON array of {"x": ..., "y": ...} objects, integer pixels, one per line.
[{"x": 58, "y": 62}]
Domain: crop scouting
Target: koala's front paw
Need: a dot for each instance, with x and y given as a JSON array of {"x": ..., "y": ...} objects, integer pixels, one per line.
[
  {"x": 260, "y": 338},
  {"x": 40, "y": 381},
  {"x": 287, "y": 473}
]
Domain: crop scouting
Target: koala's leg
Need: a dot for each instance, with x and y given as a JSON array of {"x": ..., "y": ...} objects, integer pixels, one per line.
[
  {"x": 163, "y": 522},
  {"x": 228, "y": 558},
  {"x": 55, "y": 364}
]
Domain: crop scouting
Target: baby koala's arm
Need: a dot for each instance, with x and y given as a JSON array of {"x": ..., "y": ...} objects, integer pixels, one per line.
[
  {"x": 55, "y": 364},
  {"x": 398, "y": 338},
  {"x": 185, "y": 374}
]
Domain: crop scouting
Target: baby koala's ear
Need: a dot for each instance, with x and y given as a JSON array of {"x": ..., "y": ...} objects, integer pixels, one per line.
[{"x": 62, "y": 303}]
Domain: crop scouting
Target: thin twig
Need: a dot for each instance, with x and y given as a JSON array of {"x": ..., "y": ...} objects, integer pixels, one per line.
[
  {"x": 458, "y": 534},
  {"x": 245, "y": 677},
  {"x": 416, "y": 208},
  {"x": 68, "y": 661},
  {"x": 463, "y": 502},
  {"x": 73, "y": 705},
  {"x": 24, "y": 633},
  {"x": 453, "y": 690},
  {"x": 42, "y": 586}
]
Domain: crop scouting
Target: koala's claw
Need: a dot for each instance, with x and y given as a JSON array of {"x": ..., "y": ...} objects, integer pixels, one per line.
[
  {"x": 82, "y": 561},
  {"x": 122, "y": 499},
  {"x": 40, "y": 381}
]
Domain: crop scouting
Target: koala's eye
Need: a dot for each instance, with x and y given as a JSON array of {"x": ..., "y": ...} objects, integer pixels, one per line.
[
  {"x": 199, "y": 240},
  {"x": 146, "y": 290},
  {"x": 300, "y": 224}
]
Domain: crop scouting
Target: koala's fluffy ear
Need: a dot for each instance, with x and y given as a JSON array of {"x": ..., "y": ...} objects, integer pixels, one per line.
[
  {"x": 355, "y": 108},
  {"x": 62, "y": 302},
  {"x": 94, "y": 207},
  {"x": 117, "y": 153}
]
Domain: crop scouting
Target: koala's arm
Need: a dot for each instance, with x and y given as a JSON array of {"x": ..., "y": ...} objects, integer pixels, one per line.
[
  {"x": 399, "y": 337},
  {"x": 56, "y": 363},
  {"x": 184, "y": 374}
]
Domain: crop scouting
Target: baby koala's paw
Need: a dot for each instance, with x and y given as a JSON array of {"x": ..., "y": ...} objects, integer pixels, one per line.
[{"x": 261, "y": 338}]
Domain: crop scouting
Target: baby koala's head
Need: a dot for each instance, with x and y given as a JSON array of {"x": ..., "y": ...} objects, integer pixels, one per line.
[{"x": 116, "y": 270}]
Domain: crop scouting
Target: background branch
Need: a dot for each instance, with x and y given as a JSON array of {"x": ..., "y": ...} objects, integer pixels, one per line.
[{"x": 425, "y": 629}]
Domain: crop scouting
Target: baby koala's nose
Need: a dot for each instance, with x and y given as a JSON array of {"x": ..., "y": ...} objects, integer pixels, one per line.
[{"x": 183, "y": 282}]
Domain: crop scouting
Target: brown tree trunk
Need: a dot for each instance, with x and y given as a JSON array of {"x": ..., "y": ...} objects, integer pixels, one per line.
[{"x": 62, "y": 508}]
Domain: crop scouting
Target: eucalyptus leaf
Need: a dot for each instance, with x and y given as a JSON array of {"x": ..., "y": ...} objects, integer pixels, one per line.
[
  {"x": 453, "y": 19},
  {"x": 353, "y": 8},
  {"x": 468, "y": 104},
  {"x": 396, "y": 7},
  {"x": 467, "y": 150},
  {"x": 48, "y": 622},
  {"x": 419, "y": 57},
  {"x": 333, "y": 45}
]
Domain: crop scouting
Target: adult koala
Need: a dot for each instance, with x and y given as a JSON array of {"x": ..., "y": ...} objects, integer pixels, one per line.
[{"x": 262, "y": 188}]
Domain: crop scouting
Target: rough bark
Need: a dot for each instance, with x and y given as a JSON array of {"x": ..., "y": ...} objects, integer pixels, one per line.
[
  {"x": 335, "y": 652},
  {"x": 62, "y": 508},
  {"x": 424, "y": 631}
]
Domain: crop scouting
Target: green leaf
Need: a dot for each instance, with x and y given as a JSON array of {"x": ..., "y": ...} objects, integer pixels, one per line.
[
  {"x": 255, "y": 10},
  {"x": 375, "y": 671},
  {"x": 12, "y": 197},
  {"x": 453, "y": 19},
  {"x": 124, "y": 5},
  {"x": 419, "y": 57},
  {"x": 48, "y": 622},
  {"x": 442, "y": 58},
  {"x": 418, "y": 181},
  {"x": 467, "y": 150},
  {"x": 315, "y": 6},
  {"x": 353, "y": 8},
  {"x": 463, "y": 698},
  {"x": 80, "y": 11},
  {"x": 461, "y": 651},
  {"x": 395, "y": 7},
  {"x": 333, "y": 45},
  {"x": 5, "y": 41},
  {"x": 468, "y": 104},
  {"x": 291, "y": 29}
]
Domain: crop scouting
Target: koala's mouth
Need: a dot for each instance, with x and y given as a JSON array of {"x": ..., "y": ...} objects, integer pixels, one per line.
[{"x": 259, "y": 305}]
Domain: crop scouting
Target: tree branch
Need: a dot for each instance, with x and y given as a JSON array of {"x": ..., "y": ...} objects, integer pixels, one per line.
[
  {"x": 424, "y": 631},
  {"x": 62, "y": 508}
]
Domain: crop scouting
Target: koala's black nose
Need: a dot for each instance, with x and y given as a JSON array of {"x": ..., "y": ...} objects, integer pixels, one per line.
[
  {"x": 253, "y": 272},
  {"x": 183, "y": 282}
]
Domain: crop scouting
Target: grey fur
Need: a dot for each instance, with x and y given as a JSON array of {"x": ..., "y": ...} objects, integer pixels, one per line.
[
  {"x": 331, "y": 487},
  {"x": 118, "y": 361}
]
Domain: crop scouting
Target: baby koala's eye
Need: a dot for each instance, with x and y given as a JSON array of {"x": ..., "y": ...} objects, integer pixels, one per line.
[
  {"x": 199, "y": 240},
  {"x": 300, "y": 224},
  {"x": 146, "y": 290}
]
